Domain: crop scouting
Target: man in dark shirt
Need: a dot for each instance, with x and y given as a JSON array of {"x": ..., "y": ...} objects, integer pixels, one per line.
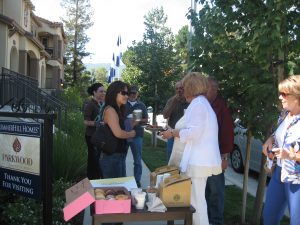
[
  {"x": 136, "y": 143},
  {"x": 173, "y": 111},
  {"x": 215, "y": 186}
]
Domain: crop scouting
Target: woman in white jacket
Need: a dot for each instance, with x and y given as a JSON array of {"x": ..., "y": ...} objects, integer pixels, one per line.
[{"x": 201, "y": 156}]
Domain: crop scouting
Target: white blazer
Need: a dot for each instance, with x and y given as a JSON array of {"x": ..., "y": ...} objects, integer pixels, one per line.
[{"x": 200, "y": 135}]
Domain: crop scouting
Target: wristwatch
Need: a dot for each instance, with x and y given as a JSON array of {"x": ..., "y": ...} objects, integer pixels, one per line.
[{"x": 224, "y": 158}]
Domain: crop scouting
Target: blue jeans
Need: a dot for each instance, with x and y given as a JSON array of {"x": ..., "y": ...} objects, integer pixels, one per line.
[
  {"x": 136, "y": 148},
  {"x": 214, "y": 194},
  {"x": 279, "y": 196},
  {"x": 112, "y": 166},
  {"x": 170, "y": 143}
]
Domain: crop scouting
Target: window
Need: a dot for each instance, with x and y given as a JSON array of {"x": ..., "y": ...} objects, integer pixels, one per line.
[
  {"x": 25, "y": 17},
  {"x": 59, "y": 48},
  {"x": 45, "y": 42}
]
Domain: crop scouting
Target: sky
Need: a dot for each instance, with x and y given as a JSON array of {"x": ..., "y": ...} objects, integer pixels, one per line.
[{"x": 117, "y": 17}]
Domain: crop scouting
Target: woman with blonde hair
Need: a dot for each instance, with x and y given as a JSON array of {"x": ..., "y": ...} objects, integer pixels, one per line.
[
  {"x": 284, "y": 186},
  {"x": 201, "y": 156}
]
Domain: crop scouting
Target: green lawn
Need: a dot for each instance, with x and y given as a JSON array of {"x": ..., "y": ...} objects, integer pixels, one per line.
[{"x": 156, "y": 156}]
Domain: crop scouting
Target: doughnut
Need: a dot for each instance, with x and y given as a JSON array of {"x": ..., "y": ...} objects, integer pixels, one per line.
[{"x": 121, "y": 197}]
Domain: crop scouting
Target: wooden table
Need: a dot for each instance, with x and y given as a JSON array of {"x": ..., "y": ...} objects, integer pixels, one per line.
[{"x": 174, "y": 213}]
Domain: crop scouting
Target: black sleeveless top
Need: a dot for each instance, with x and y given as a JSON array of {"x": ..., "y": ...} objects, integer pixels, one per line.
[{"x": 122, "y": 142}]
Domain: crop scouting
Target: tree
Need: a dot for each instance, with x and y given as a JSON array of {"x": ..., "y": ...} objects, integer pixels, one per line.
[
  {"x": 181, "y": 48},
  {"x": 247, "y": 45},
  {"x": 77, "y": 21},
  {"x": 99, "y": 75},
  {"x": 151, "y": 63}
]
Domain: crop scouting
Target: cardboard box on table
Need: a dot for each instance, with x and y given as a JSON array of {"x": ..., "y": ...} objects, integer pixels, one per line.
[
  {"x": 172, "y": 170},
  {"x": 175, "y": 191},
  {"x": 82, "y": 194}
]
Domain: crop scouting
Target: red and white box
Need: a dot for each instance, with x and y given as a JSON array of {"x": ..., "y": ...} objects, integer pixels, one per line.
[{"x": 78, "y": 197}]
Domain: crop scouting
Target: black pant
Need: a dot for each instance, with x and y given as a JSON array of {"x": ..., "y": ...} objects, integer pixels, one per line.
[{"x": 93, "y": 167}]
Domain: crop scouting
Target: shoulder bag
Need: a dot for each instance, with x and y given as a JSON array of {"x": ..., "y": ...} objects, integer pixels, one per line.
[{"x": 104, "y": 139}]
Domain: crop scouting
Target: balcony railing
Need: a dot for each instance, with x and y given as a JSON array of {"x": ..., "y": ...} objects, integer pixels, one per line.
[{"x": 22, "y": 94}]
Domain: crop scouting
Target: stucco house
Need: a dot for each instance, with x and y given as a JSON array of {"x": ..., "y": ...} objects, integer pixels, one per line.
[{"x": 30, "y": 45}]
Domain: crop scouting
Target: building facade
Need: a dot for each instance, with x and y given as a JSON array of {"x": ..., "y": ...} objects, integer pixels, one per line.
[{"x": 31, "y": 45}]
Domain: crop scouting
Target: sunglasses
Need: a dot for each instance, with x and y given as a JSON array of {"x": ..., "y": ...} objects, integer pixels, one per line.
[
  {"x": 124, "y": 93},
  {"x": 132, "y": 92},
  {"x": 284, "y": 95}
]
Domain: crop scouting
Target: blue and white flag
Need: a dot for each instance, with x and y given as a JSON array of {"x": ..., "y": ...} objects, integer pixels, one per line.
[{"x": 114, "y": 72}]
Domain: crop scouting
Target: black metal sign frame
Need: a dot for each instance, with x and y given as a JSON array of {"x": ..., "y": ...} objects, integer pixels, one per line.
[{"x": 46, "y": 122}]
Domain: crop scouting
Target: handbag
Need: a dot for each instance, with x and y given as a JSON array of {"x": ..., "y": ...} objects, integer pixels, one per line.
[{"x": 104, "y": 139}]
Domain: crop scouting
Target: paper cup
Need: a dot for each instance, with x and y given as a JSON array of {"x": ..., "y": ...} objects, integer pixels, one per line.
[
  {"x": 140, "y": 199},
  {"x": 134, "y": 192},
  {"x": 137, "y": 114}
]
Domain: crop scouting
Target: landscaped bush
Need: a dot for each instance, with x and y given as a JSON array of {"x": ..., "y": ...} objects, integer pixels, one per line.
[
  {"x": 72, "y": 97},
  {"x": 28, "y": 211},
  {"x": 69, "y": 150}
]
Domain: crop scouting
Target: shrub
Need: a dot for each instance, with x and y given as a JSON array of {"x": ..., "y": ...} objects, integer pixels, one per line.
[
  {"x": 70, "y": 151},
  {"x": 28, "y": 211}
]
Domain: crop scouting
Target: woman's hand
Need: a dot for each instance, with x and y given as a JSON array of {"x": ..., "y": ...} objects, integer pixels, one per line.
[
  {"x": 134, "y": 122},
  {"x": 267, "y": 147},
  {"x": 281, "y": 153},
  {"x": 167, "y": 134},
  {"x": 131, "y": 133}
]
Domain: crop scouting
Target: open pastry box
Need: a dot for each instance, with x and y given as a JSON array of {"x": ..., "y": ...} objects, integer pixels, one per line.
[
  {"x": 117, "y": 200},
  {"x": 172, "y": 170},
  {"x": 82, "y": 194}
]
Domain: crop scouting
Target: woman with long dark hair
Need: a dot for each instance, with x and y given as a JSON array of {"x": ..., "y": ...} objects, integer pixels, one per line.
[
  {"x": 113, "y": 165},
  {"x": 91, "y": 111}
]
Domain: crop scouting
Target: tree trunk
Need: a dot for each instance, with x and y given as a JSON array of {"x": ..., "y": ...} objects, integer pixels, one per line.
[
  {"x": 246, "y": 175},
  {"x": 260, "y": 193},
  {"x": 154, "y": 122}
]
